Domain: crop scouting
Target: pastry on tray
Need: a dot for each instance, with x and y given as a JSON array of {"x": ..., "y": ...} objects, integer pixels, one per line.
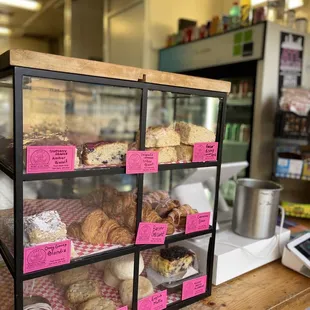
[
  {"x": 98, "y": 228},
  {"x": 165, "y": 206},
  {"x": 71, "y": 276},
  {"x": 44, "y": 227},
  {"x": 166, "y": 154},
  {"x": 104, "y": 153},
  {"x": 123, "y": 266},
  {"x": 161, "y": 136},
  {"x": 172, "y": 261},
  {"x": 109, "y": 278},
  {"x": 178, "y": 215},
  {"x": 145, "y": 288},
  {"x": 36, "y": 302},
  {"x": 184, "y": 152},
  {"x": 98, "y": 303},
  {"x": 82, "y": 291},
  {"x": 191, "y": 134}
]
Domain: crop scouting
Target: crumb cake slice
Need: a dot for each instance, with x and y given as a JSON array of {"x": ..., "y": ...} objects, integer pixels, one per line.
[
  {"x": 161, "y": 136},
  {"x": 104, "y": 153},
  {"x": 172, "y": 261},
  {"x": 184, "y": 152},
  {"x": 191, "y": 134},
  {"x": 166, "y": 154}
]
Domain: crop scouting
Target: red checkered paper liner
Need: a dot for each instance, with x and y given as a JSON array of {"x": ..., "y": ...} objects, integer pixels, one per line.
[{"x": 46, "y": 288}]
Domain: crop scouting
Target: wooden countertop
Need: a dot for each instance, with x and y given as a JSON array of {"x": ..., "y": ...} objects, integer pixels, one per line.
[
  {"x": 272, "y": 286},
  {"x": 35, "y": 60}
]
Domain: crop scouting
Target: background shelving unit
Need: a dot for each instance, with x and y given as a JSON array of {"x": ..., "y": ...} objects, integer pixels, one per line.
[{"x": 21, "y": 65}]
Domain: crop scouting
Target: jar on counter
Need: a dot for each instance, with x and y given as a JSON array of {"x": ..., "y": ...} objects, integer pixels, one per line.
[
  {"x": 301, "y": 25},
  {"x": 290, "y": 18}
]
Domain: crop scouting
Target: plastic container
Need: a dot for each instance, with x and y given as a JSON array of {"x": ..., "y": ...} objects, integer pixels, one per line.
[
  {"x": 235, "y": 13},
  {"x": 245, "y": 12},
  {"x": 301, "y": 25}
]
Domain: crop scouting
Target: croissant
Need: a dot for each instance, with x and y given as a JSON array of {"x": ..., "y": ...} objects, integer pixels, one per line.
[
  {"x": 171, "y": 228},
  {"x": 74, "y": 230},
  {"x": 120, "y": 235},
  {"x": 178, "y": 215},
  {"x": 129, "y": 217},
  {"x": 164, "y": 207},
  {"x": 156, "y": 196}
]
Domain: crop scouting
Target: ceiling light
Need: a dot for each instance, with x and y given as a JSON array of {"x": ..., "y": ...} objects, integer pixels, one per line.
[
  {"x": 4, "y": 31},
  {"x": 294, "y": 4},
  {"x": 30, "y": 5},
  {"x": 258, "y": 2}
]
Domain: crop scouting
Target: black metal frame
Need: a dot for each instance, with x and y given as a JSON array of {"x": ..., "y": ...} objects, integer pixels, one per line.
[{"x": 17, "y": 174}]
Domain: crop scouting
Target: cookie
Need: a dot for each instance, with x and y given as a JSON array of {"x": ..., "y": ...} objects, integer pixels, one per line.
[
  {"x": 82, "y": 291},
  {"x": 98, "y": 303},
  {"x": 68, "y": 277}
]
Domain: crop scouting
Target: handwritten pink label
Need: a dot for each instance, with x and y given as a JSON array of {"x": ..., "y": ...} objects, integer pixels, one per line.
[
  {"x": 151, "y": 233},
  {"x": 157, "y": 301},
  {"x": 123, "y": 308},
  {"x": 197, "y": 222},
  {"x": 194, "y": 287},
  {"x": 50, "y": 158},
  {"x": 141, "y": 162},
  {"x": 47, "y": 255},
  {"x": 205, "y": 152}
]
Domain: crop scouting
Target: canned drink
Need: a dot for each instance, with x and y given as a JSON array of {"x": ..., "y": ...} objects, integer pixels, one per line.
[
  {"x": 244, "y": 135},
  {"x": 235, "y": 131},
  {"x": 228, "y": 132}
]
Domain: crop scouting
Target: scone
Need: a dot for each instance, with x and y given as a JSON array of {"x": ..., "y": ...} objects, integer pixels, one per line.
[
  {"x": 44, "y": 227},
  {"x": 145, "y": 288},
  {"x": 82, "y": 291},
  {"x": 109, "y": 278},
  {"x": 166, "y": 154},
  {"x": 104, "y": 153},
  {"x": 71, "y": 276},
  {"x": 170, "y": 262},
  {"x": 123, "y": 267},
  {"x": 160, "y": 136},
  {"x": 191, "y": 134},
  {"x": 184, "y": 152},
  {"x": 98, "y": 303}
]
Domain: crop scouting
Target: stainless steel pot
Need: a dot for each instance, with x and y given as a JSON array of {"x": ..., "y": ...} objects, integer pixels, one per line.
[{"x": 256, "y": 208}]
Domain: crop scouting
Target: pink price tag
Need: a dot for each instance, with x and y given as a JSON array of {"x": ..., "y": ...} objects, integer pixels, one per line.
[
  {"x": 50, "y": 158},
  {"x": 194, "y": 287},
  {"x": 123, "y": 308},
  {"x": 47, "y": 255},
  {"x": 151, "y": 233},
  {"x": 197, "y": 222},
  {"x": 141, "y": 162},
  {"x": 157, "y": 301},
  {"x": 205, "y": 152}
]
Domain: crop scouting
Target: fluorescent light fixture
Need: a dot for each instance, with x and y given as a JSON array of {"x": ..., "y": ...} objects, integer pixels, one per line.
[
  {"x": 4, "y": 31},
  {"x": 258, "y": 2},
  {"x": 30, "y": 5},
  {"x": 294, "y": 4}
]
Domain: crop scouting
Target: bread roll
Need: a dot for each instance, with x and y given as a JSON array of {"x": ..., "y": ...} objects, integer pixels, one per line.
[
  {"x": 123, "y": 267},
  {"x": 82, "y": 291},
  {"x": 98, "y": 303},
  {"x": 109, "y": 278},
  {"x": 145, "y": 288},
  {"x": 68, "y": 277}
]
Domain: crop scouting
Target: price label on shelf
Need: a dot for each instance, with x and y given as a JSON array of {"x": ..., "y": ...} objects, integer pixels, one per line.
[
  {"x": 151, "y": 233},
  {"x": 157, "y": 301},
  {"x": 205, "y": 152},
  {"x": 41, "y": 159},
  {"x": 141, "y": 162},
  {"x": 194, "y": 287},
  {"x": 197, "y": 222},
  {"x": 47, "y": 255}
]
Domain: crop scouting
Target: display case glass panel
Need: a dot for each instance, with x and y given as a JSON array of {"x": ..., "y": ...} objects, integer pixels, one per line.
[
  {"x": 99, "y": 121},
  {"x": 95, "y": 286},
  {"x": 91, "y": 212}
]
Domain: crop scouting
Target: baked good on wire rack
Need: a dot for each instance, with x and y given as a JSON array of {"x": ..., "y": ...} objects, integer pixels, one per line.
[
  {"x": 191, "y": 134},
  {"x": 171, "y": 261}
]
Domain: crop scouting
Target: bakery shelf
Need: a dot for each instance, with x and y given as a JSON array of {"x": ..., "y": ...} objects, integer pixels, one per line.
[
  {"x": 109, "y": 171},
  {"x": 47, "y": 114},
  {"x": 178, "y": 237}
]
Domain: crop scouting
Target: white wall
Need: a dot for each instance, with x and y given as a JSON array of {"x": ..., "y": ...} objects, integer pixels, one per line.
[{"x": 7, "y": 43}]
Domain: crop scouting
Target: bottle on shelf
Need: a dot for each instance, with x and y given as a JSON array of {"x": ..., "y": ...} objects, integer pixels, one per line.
[
  {"x": 235, "y": 14},
  {"x": 245, "y": 12}
]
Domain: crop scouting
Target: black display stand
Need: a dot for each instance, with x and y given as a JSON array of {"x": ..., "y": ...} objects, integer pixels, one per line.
[{"x": 19, "y": 176}]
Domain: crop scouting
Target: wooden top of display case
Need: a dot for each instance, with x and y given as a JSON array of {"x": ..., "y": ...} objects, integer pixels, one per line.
[{"x": 35, "y": 60}]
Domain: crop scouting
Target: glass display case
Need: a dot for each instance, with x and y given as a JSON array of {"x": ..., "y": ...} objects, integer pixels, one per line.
[{"x": 71, "y": 208}]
